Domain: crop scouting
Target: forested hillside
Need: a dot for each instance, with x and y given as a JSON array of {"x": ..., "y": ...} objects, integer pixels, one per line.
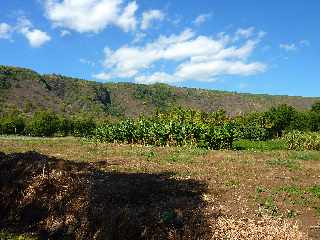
[{"x": 27, "y": 91}]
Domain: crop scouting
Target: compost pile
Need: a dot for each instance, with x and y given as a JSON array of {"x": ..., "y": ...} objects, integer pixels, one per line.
[{"x": 59, "y": 199}]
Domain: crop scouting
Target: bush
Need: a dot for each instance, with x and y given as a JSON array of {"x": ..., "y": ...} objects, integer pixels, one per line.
[
  {"x": 83, "y": 127},
  {"x": 280, "y": 119},
  {"x": 314, "y": 121},
  {"x": 43, "y": 124},
  {"x": 12, "y": 124},
  {"x": 297, "y": 140},
  {"x": 65, "y": 126},
  {"x": 251, "y": 127},
  {"x": 316, "y": 107}
]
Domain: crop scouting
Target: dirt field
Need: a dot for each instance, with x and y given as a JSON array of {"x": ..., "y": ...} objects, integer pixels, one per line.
[{"x": 108, "y": 191}]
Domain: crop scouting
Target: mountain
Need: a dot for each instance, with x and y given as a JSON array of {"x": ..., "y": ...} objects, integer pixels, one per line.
[{"x": 26, "y": 90}]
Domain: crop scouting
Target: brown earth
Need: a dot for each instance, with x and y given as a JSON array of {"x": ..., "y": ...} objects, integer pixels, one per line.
[
  {"x": 82, "y": 189},
  {"x": 57, "y": 199}
]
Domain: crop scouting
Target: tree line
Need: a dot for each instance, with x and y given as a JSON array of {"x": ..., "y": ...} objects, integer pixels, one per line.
[{"x": 174, "y": 127}]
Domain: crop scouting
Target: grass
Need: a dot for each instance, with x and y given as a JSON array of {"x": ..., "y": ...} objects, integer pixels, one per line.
[
  {"x": 240, "y": 183},
  {"x": 306, "y": 155},
  {"x": 288, "y": 201},
  {"x": 269, "y": 145},
  {"x": 286, "y": 163},
  {"x": 315, "y": 190},
  {"x": 232, "y": 183}
]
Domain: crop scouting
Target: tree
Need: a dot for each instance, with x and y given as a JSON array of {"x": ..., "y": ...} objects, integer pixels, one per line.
[
  {"x": 280, "y": 118},
  {"x": 43, "y": 124},
  {"x": 12, "y": 123},
  {"x": 316, "y": 107}
]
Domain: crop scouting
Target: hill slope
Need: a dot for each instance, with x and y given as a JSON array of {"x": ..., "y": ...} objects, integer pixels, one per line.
[{"x": 28, "y": 91}]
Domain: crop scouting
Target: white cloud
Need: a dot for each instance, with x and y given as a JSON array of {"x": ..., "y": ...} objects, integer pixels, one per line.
[
  {"x": 150, "y": 16},
  {"x": 91, "y": 15},
  {"x": 5, "y": 31},
  {"x": 138, "y": 37},
  {"x": 127, "y": 21},
  {"x": 214, "y": 68},
  {"x": 201, "y": 58},
  {"x": 246, "y": 33},
  {"x": 102, "y": 76},
  {"x": 157, "y": 77},
  {"x": 202, "y": 19},
  {"x": 35, "y": 36},
  {"x": 289, "y": 47}
]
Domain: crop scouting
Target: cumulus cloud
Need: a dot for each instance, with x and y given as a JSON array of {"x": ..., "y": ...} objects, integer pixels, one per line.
[
  {"x": 127, "y": 21},
  {"x": 91, "y": 16},
  {"x": 202, "y": 19},
  {"x": 150, "y": 16},
  {"x": 35, "y": 36},
  {"x": 5, "y": 31},
  {"x": 102, "y": 76},
  {"x": 200, "y": 58}
]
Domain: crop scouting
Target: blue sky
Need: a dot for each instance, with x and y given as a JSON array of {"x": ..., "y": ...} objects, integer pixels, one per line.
[{"x": 245, "y": 46}]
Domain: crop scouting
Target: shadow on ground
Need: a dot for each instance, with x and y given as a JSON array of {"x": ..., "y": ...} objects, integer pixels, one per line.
[{"x": 59, "y": 199}]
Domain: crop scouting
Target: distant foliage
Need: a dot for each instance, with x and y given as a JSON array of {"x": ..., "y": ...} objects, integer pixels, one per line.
[
  {"x": 297, "y": 140},
  {"x": 158, "y": 94},
  {"x": 4, "y": 84}
]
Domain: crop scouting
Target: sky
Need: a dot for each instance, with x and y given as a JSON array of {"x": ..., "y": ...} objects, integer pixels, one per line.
[{"x": 251, "y": 46}]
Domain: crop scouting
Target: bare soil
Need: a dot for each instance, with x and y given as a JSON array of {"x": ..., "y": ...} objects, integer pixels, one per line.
[{"x": 64, "y": 188}]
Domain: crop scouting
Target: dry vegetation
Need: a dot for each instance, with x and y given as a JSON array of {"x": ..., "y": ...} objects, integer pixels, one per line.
[
  {"x": 28, "y": 91},
  {"x": 141, "y": 192}
]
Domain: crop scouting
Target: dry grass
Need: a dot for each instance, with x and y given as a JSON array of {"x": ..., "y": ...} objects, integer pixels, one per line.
[
  {"x": 241, "y": 185},
  {"x": 265, "y": 229}
]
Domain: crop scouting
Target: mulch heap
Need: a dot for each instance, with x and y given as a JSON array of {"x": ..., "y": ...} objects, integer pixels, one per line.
[{"x": 58, "y": 199}]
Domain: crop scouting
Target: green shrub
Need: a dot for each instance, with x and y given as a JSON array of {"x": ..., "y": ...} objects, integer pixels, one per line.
[
  {"x": 297, "y": 140},
  {"x": 316, "y": 107},
  {"x": 82, "y": 127},
  {"x": 43, "y": 124},
  {"x": 314, "y": 121},
  {"x": 12, "y": 124},
  {"x": 252, "y": 126},
  {"x": 65, "y": 126},
  {"x": 280, "y": 119}
]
